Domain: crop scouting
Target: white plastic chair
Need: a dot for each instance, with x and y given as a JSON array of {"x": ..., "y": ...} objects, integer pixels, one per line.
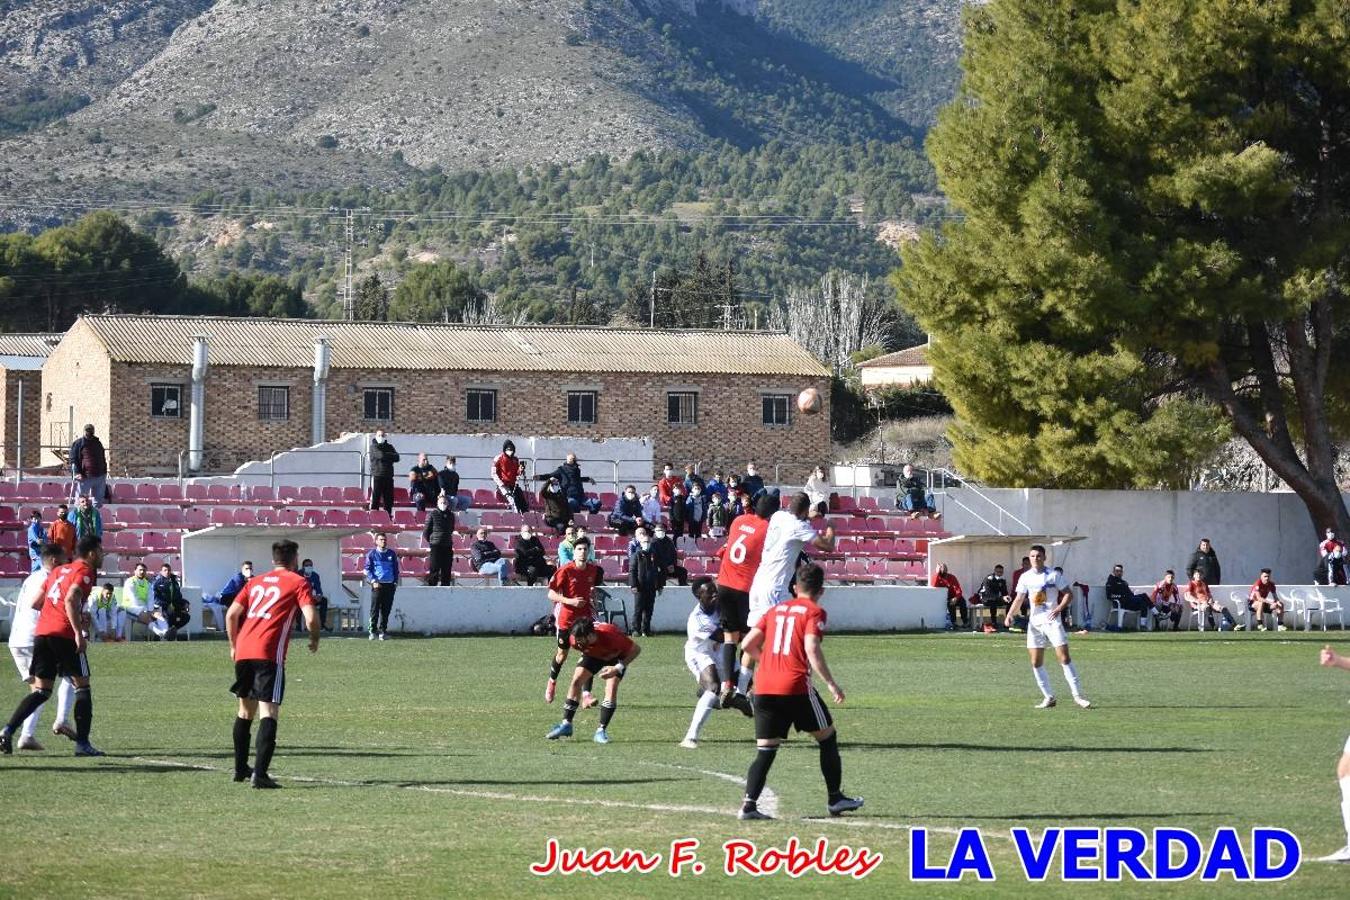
[
  {"x": 1323, "y": 606},
  {"x": 1120, "y": 612}
]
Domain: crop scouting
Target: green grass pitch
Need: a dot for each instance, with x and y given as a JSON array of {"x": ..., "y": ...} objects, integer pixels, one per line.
[{"x": 419, "y": 767}]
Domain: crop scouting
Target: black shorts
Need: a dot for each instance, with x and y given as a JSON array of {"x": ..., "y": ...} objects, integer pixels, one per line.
[
  {"x": 735, "y": 607},
  {"x": 594, "y": 664},
  {"x": 776, "y": 713},
  {"x": 259, "y": 679},
  {"x": 56, "y": 657}
]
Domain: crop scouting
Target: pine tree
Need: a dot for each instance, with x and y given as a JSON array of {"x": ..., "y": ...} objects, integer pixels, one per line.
[{"x": 372, "y": 300}]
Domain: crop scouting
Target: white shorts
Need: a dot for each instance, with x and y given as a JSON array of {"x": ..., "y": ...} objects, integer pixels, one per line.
[
  {"x": 23, "y": 660},
  {"x": 1347, "y": 746},
  {"x": 698, "y": 662},
  {"x": 762, "y": 600},
  {"x": 1042, "y": 630}
]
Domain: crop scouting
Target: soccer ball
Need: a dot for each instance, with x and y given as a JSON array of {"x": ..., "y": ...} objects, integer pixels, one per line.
[{"x": 809, "y": 402}]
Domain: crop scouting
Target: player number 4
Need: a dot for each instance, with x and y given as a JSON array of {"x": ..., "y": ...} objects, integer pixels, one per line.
[{"x": 260, "y": 600}]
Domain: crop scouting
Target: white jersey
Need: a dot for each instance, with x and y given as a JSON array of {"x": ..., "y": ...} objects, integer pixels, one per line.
[
  {"x": 1042, "y": 589},
  {"x": 25, "y": 617},
  {"x": 783, "y": 542},
  {"x": 702, "y": 630}
]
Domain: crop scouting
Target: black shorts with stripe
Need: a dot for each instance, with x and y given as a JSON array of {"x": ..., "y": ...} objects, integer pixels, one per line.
[
  {"x": 259, "y": 679},
  {"x": 735, "y": 608},
  {"x": 775, "y": 714},
  {"x": 594, "y": 664},
  {"x": 56, "y": 657}
]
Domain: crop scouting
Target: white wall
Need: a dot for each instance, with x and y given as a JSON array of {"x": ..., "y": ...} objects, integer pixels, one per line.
[
  {"x": 1150, "y": 531},
  {"x": 511, "y": 610}
]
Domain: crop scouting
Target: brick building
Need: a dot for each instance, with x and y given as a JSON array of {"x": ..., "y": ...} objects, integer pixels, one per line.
[
  {"x": 704, "y": 396},
  {"x": 21, "y": 359}
]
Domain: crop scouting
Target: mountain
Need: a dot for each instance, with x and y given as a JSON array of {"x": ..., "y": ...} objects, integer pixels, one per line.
[{"x": 141, "y": 99}]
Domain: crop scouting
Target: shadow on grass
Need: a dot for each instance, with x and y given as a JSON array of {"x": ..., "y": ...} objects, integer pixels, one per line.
[
  {"x": 516, "y": 782},
  {"x": 109, "y": 768},
  {"x": 1009, "y": 748}
]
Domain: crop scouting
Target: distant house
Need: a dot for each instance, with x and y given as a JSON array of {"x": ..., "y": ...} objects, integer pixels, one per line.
[
  {"x": 899, "y": 369},
  {"x": 21, "y": 359}
]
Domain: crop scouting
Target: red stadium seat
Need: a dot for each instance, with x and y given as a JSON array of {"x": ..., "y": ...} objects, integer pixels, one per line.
[
  {"x": 353, "y": 495},
  {"x": 331, "y": 495},
  {"x": 147, "y": 493}
]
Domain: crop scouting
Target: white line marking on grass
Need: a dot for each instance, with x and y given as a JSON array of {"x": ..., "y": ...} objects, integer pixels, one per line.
[{"x": 768, "y": 800}]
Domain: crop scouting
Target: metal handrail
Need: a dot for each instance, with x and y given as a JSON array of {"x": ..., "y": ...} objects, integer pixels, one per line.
[{"x": 949, "y": 475}]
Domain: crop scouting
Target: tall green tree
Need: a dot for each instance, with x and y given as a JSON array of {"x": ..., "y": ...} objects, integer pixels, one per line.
[
  {"x": 371, "y": 303},
  {"x": 435, "y": 292},
  {"x": 1155, "y": 235}
]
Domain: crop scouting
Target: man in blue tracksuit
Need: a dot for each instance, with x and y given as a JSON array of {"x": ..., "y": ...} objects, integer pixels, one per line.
[
  {"x": 37, "y": 536},
  {"x": 382, "y": 575}
]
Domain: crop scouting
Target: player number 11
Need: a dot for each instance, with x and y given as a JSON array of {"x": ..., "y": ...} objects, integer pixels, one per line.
[{"x": 782, "y": 635}]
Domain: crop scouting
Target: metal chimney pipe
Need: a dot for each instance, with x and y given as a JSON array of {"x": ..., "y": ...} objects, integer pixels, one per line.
[
  {"x": 319, "y": 418},
  {"x": 197, "y": 410}
]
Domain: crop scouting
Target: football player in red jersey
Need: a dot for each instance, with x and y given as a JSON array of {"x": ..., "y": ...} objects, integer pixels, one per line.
[
  {"x": 786, "y": 645},
  {"x": 59, "y": 644},
  {"x": 570, "y": 591},
  {"x": 739, "y": 560},
  {"x": 259, "y": 625},
  {"x": 605, "y": 651}
]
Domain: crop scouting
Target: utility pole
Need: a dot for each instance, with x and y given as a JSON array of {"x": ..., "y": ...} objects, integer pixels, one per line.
[
  {"x": 348, "y": 297},
  {"x": 726, "y": 316},
  {"x": 652, "y": 322}
]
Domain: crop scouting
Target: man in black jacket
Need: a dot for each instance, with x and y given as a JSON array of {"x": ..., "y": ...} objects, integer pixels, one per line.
[
  {"x": 664, "y": 549},
  {"x": 1206, "y": 562},
  {"x": 644, "y": 577},
  {"x": 89, "y": 466},
  {"x": 1118, "y": 591},
  {"x": 531, "y": 562},
  {"x": 439, "y": 533},
  {"x": 448, "y": 481},
  {"x": 423, "y": 483},
  {"x": 486, "y": 558},
  {"x": 994, "y": 594},
  {"x": 572, "y": 481},
  {"x": 382, "y": 456}
]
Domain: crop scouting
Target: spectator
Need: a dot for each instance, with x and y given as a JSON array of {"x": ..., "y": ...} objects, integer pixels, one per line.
[
  {"x": 644, "y": 577},
  {"x": 1198, "y": 595},
  {"x": 439, "y": 533},
  {"x": 719, "y": 517},
  {"x": 716, "y": 487},
  {"x": 956, "y": 600},
  {"x": 818, "y": 489},
  {"x": 1206, "y": 561},
  {"x": 590, "y": 547},
  {"x": 1166, "y": 599},
  {"x": 677, "y": 512},
  {"x": 742, "y": 505},
  {"x": 89, "y": 466},
  {"x": 573, "y": 485},
  {"x": 37, "y": 536},
  {"x": 170, "y": 610},
  {"x": 1264, "y": 597},
  {"x": 486, "y": 558},
  {"x": 381, "y": 573},
  {"x": 219, "y": 604},
  {"x": 447, "y": 480},
  {"x": 1017, "y": 573},
  {"x": 423, "y": 483},
  {"x": 381, "y": 457},
  {"x": 696, "y": 510},
  {"x": 531, "y": 562},
  {"x": 733, "y": 487},
  {"x": 666, "y": 485},
  {"x": 86, "y": 518},
  {"x": 1078, "y": 602},
  {"x": 993, "y": 594},
  {"x": 651, "y": 506},
  {"x": 565, "y": 546},
  {"x": 507, "y": 472},
  {"x": 107, "y": 614},
  {"x": 752, "y": 483},
  {"x": 668, "y": 558},
  {"x": 316, "y": 589},
  {"x": 912, "y": 495},
  {"x": 691, "y": 478},
  {"x": 557, "y": 511},
  {"x": 1119, "y": 592},
  {"x": 1331, "y": 560},
  {"x": 627, "y": 514},
  {"x": 137, "y": 602}
]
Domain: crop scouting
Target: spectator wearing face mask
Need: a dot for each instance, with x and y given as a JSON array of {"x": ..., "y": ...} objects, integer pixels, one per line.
[
  {"x": 752, "y": 483},
  {"x": 652, "y": 508},
  {"x": 696, "y": 505},
  {"x": 644, "y": 577},
  {"x": 316, "y": 589},
  {"x": 381, "y": 457},
  {"x": 486, "y": 558},
  {"x": 507, "y": 472},
  {"x": 447, "y": 480},
  {"x": 220, "y": 603},
  {"x": 627, "y": 514},
  {"x": 716, "y": 487},
  {"x": 666, "y": 485},
  {"x": 719, "y": 516},
  {"x": 691, "y": 478},
  {"x": 531, "y": 561},
  {"x": 573, "y": 485},
  {"x": 439, "y": 533},
  {"x": 557, "y": 511},
  {"x": 667, "y": 558},
  {"x": 677, "y": 513}
]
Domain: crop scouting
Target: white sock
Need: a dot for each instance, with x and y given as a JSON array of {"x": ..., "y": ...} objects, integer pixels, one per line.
[
  {"x": 30, "y": 724},
  {"x": 707, "y": 702},
  {"x": 1345, "y": 807},
  {"x": 743, "y": 679},
  {"x": 1042, "y": 680},
  {"x": 1071, "y": 675},
  {"x": 65, "y": 700}
]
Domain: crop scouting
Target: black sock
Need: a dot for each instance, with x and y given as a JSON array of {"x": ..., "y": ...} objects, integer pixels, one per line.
[
  {"x": 27, "y": 706},
  {"x": 759, "y": 773},
  {"x": 606, "y": 712},
  {"x": 267, "y": 745},
  {"x": 728, "y": 672},
  {"x": 242, "y": 734},
  {"x": 570, "y": 709},
  {"x": 84, "y": 714},
  {"x": 554, "y": 668},
  {"x": 831, "y": 766}
]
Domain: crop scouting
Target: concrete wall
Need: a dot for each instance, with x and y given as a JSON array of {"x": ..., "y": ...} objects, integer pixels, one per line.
[
  {"x": 511, "y": 610},
  {"x": 1149, "y": 531},
  {"x": 29, "y": 432}
]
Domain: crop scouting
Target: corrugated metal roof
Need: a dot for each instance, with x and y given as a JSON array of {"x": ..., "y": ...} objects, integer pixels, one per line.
[
  {"x": 494, "y": 348},
  {"x": 37, "y": 344},
  {"x": 910, "y": 356}
]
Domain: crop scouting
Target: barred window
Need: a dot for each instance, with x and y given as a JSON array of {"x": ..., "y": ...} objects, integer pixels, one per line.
[
  {"x": 777, "y": 409},
  {"x": 482, "y": 405},
  {"x": 379, "y": 404},
  {"x": 274, "y": 404},
  {"x": 682, "y": 408},
  {"x": 581, "y": 407}
]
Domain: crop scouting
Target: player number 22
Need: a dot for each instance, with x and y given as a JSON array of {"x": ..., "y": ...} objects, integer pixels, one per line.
[{"x": 260, "y": 600}]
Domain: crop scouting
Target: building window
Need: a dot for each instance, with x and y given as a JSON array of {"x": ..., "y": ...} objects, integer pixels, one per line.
[
  {"x": 581, "y": 407},
  {"x": 482, "y": 406},
  {"x": 274, "y": 404},
  {"x": 682, "y": 408},
  {"x": 166, "y": 401},
  {"x": 776, "y": 408},
  {"x": 379, "y": 405}
]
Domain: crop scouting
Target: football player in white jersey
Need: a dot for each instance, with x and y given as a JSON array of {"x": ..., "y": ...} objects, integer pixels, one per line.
[
  {"x": 1331, "y": 659},
  {"x": 21, "y": 648},
  {"x": 701, "y": 650},
  {"x": 1047, "y": 592}
]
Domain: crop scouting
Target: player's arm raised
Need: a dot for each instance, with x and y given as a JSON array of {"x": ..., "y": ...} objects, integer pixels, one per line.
[
  {"x": 752, "y": 644},
  {"x": 617, "y": 670},
  {"x": 233, "y": 617},
  {"x": 816, "y": 657}
]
